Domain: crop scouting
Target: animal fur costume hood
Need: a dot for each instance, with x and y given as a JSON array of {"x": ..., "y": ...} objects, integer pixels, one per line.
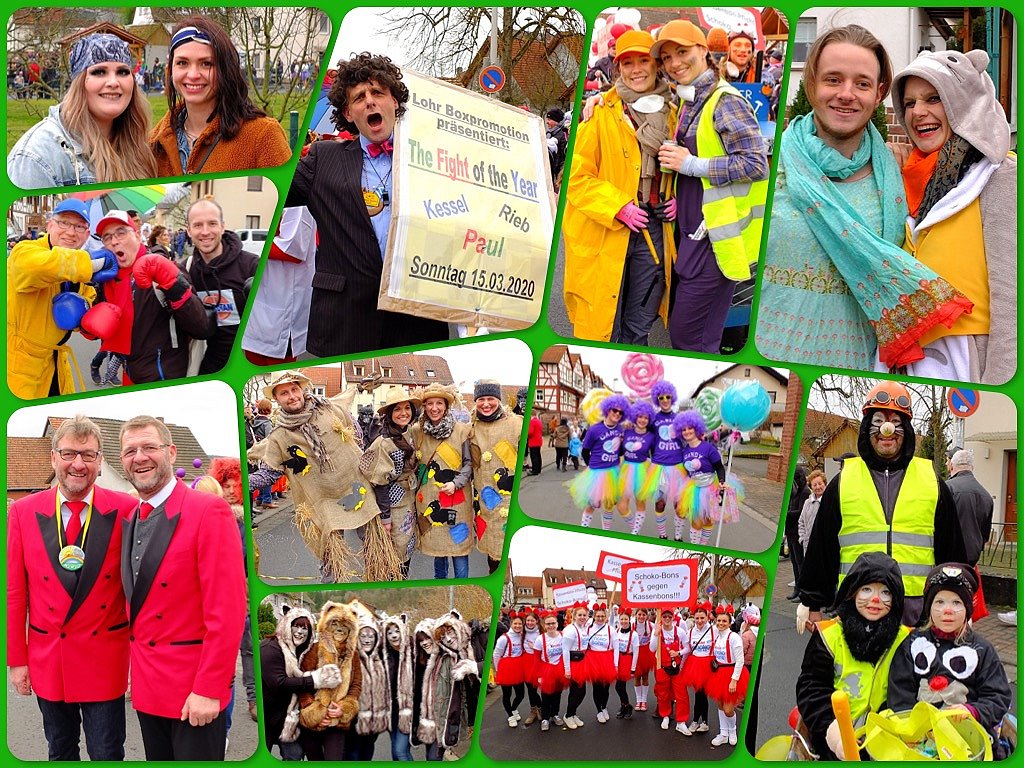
[
  {"x": 404, "y": 688},
  {"x": 342, "y": 652},
  {"x": 443, "y": 695},
  {"x": 293, "y": 654},
  {"x": 374, "y": 714}
]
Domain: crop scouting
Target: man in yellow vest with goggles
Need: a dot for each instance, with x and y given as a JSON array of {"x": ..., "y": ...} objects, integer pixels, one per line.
[{"x": 886, "y": 500}]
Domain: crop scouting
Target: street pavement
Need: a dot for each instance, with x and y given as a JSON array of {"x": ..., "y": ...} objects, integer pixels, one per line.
[
  {"x": 783, "y": 653},
  {"x": 285, "y": 560},
  {"x": 26, "y": 741},
  {"x": 638, "y": 738},
  {"x": 546, "y": 497}
]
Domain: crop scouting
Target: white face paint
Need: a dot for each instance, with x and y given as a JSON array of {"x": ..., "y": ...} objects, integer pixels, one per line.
[
  {"x": 393, "y": 635},
  {"x": 367, "y": 639},
  {"x": 299, "y": 634},
  {"x": 886, "y": 433},
  {"x": 450, "y": 638}
]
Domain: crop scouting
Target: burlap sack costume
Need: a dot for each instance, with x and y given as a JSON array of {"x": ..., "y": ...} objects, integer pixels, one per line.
[
  {"x": 336, "y": 644},
  {"x": 445, "y": 523},
  {"x": 495, "y": 447}
]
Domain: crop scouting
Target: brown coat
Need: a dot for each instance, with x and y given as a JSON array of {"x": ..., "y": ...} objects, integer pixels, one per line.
[
  {"x": 260, "y": 143},
  {"x": 313, "y": 705}
]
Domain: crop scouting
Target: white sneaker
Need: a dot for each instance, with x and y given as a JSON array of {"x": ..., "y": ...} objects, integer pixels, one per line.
[
  {"x": 664, "y": 723},
  {"x": 516, "y": 715},
  {"x": 558, "y": 720},
  {"x": 791, "y": 584},
  {"x": 512, "y": 722},
  {"x": 607, "y": 717},
  {"x": 1010, "y": 617},
  {"x": 720, "y": 739},
  {"x": 600, "y": 717},
  {"x": 570, "y": 723},
  {"x": 732, "y": 738},
  {"x": 545, "y": 725},
  {"x": 681, "y": 727},
  {"x": 579, "y": 722},
  {"x": 699, "y": 726}
]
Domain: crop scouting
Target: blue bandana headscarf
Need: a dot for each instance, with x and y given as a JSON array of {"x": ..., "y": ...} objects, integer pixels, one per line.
[{"x": 96, "y": 49}]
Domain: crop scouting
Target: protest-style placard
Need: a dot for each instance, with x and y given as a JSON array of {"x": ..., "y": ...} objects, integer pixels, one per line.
[
  {"x": 565, "y": 595},
  {"x": 671, "y": 583},
  {"x": 609, "y": 566},
  {"x": 474, "y": 211}
]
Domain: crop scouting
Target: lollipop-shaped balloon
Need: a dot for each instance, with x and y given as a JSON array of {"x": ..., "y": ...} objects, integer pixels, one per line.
[
  {"x": 707, "y": 405},
  {"x": 180, "y": 473},
  {"x": 197, "y": 463},
  {"x": 745, "y": 406},
  {"x": 591, "y": 405},
  {"x": 640, "y": 371}
]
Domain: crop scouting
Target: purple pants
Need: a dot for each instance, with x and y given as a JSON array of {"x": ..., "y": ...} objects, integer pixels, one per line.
[{"x": 701, "y": 305}]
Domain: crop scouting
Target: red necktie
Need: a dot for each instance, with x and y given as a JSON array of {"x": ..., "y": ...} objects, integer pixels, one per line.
[
  {"x": 144, "y": 509},
  {"x": 374, "y": 150},
  {"x": 74, "y": 526}
]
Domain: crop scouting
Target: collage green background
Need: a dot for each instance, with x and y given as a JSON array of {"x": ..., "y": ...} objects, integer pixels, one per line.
[{"x": 538, "y": 338}]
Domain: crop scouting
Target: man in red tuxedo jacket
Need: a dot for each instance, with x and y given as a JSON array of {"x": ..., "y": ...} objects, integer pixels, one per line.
[
  {"x": 67, "y": 631},
  {"x": 181, "y": 565}
]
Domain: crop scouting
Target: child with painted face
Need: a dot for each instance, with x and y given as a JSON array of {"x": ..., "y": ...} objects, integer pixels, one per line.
[
  {"x": 509, "y": 662},
  {"x": 531, "y": 631},
  {"x": 602, "y": 659},
  {"x": 666, "y": 475},
  {"x": 627, "y": 643},
  {"x": 551, "y": 678},
  {"x": 575, "y": 643},
  {"x": 637, "y": 443},
  {"x": 707, "y": 497},
  {"x": 727, "y": 685},
  {"x": 597, "y": 487},
  {"x": 697, "y": 670},
  {"x": 853, "y": 651},
  {"x": 670, "y": 646},
  {"x": 944, "y": 661},
  {"x": 644, "y": 659}
]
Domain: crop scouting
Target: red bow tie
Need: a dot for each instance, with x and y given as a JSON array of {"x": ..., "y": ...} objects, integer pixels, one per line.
[{"x": 374, "y": 150}]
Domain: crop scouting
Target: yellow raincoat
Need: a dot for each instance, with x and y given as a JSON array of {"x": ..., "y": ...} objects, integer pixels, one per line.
[
  {"x": 604, "y": 177},
  {"x": 34, "y": 274}
]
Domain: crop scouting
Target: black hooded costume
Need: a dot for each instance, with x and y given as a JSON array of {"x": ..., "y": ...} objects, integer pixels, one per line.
[{"x": 820, "y": 574}]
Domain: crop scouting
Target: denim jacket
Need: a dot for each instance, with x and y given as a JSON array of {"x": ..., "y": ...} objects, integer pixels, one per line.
[{"x": 47, "y": 156}]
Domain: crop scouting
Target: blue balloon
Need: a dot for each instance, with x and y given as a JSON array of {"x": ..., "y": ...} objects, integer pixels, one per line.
[{"x": 745, "y": 406}]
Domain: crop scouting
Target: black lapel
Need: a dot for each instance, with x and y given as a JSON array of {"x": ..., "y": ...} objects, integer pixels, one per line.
[
  {"x": 127, "y": 537},
  {"x": 48, "y": 528},
  {"x": 352, "y": 165},
  {"x": 155, "y": 551},
  {"x": 101, "y": 527}
]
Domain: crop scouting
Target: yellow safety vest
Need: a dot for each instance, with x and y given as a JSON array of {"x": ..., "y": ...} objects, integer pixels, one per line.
[
  {"x": 909, "y": 540},
  {"x": 733, "y": 212},
  {"x": 866, "y": 685}
]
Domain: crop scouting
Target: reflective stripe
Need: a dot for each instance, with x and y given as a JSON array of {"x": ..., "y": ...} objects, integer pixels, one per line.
[
  {"x": 865, "y": 537},
  {"x": 913, "y": 539},
  {"x": 906, "y": 569},
  {"x": 733, "y": 229},
  {"x": 714, "y": 194}
]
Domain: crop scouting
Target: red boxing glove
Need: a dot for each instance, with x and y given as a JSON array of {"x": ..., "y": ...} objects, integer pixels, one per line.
[
  {"x": 153, "y": 268},
  {"x": 101, "y": 321}
]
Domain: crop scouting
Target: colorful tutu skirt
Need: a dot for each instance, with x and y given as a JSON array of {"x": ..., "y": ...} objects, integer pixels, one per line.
[
  {"x": 531, "y": 668},
  {"x": 632, "y": 480},
  {"x": 511, "y": 670},
  {"x": 552, "y": 678},
  {"x": 664, "y": 483},
  {"x": 697, "y": 671},
  {"x": 601, "y": 667},
  {"x": 579, "y": 671},
  {"x": 717, "y": 687},
  {"x": 625, "y": 672},
  {"x": 596, "y": 488},
  {"x": 645, "y": 660},
  {"x": 698, "y": 501}
]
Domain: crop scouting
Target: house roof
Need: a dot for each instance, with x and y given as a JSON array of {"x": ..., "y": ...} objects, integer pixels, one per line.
[
  {"x": 554, "y": 354},
  {"x": 823, "y": 428},
  {"x": 554, "y": 576},
  {"x": 533, "y": 583},
  {"x": 28, "y": 463},
  {"x": 407, "y": 369},
  {"x": 992, "y": 437}
]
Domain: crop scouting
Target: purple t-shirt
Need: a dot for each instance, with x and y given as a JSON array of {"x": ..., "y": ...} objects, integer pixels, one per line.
[
  {"x": 700, "y": 459},
  {"x": 668, "y": 447},
  {"x": 603, "y": 442},
  {"x": 638, "y": 446}
]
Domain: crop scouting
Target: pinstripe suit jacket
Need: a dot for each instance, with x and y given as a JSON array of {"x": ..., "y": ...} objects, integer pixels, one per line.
[{"x": 343, "y": 315}]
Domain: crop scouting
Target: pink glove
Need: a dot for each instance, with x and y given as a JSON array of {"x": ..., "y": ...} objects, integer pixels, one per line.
[
  {"x": 632, "y": 216},
  {"x": 154, "y": 268}
]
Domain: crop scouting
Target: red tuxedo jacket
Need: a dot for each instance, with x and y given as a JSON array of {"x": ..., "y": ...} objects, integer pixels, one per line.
[
  {"x": 70, "y": 628},
  {"x": 187, "y": 606}
]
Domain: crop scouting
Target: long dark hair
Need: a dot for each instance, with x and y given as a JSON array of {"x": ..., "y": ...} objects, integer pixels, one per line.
[{"x": 234, "y": 107}]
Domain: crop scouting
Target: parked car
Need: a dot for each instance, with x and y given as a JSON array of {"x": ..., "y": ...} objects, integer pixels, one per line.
[{"x": 253, "y": 240}]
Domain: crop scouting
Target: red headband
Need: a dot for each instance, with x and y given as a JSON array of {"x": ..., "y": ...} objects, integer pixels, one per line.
[
  {"x": 580, "y": 604},
  {"x": 723, "y": 608},
  {"x": 600, "y": 607},
  {"x": 626, "y": 612}
]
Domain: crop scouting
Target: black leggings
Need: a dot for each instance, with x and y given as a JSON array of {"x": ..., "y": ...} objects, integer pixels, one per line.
[
  {"x": 577, "y": 693},
  {"x": 561, "y": 454},
  {"x": 601, "y": 693},
  {"x": 700, "y": 706},
  {"x": 620, "y": 689},
  {"x": 506, "y": 697},
  {"x": 533, "y": 695},
  {"x": 550, "y": 703}
]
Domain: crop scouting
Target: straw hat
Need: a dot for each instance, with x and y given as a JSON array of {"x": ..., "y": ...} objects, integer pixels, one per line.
[
  {"x": 436, "y": 390},
  {"x": 397, "y": 395},
  {"x": 285, "y": 377}
]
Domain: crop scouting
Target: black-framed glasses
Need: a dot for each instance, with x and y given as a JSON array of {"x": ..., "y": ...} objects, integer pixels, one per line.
[
  {"x": 664, "y": 397},
  {"x": 884, "y": 398},
  {"x": 74, "y": 226},
  {"x": 615, "y": 410},
  {"x": 69, "y": 454},
  {"x": 149, "y": 450}
]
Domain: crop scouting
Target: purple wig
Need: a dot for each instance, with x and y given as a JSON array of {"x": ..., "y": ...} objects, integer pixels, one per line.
[
  {"x": 689, "y": 419},
  {"x": 663, "y": 388},
  {"x": 642, "y": 408},
  {"x": 615, "y": 401}
]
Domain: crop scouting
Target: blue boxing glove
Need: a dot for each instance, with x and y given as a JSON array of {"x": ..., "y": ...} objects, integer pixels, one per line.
[
  {"x": 68, "y": 310},
  {"x": 104, "y": 266}
]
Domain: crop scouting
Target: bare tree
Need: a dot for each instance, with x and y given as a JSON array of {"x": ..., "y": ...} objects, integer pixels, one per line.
[{"x": 252, "y": 390}]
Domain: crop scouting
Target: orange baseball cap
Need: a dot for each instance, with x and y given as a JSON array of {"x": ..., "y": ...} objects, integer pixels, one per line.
[
  {"x": 681, "y": 32},
  {"x": 633, "y": 41}
]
